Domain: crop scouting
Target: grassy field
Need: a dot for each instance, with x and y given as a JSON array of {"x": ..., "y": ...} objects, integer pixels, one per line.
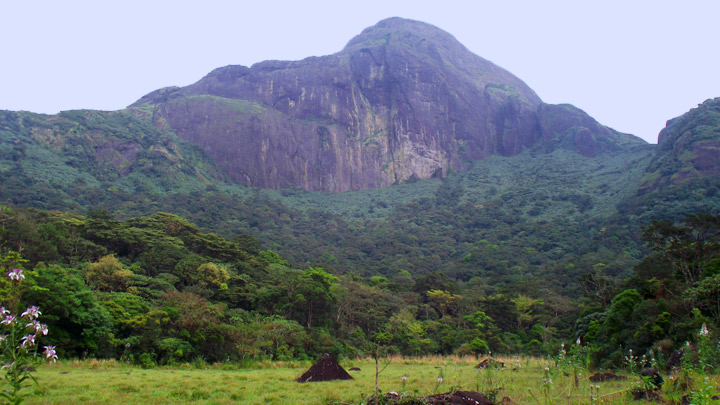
[{"x": 524, "y": 380}]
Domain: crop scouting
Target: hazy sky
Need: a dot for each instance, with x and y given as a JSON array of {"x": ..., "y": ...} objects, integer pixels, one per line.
[{"x": 632, "y": 65}]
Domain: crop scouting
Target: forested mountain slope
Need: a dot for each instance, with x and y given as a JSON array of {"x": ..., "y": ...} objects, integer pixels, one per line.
[
  {"x": 479, "y": 180},
  {"x": 549, "y": 213}
]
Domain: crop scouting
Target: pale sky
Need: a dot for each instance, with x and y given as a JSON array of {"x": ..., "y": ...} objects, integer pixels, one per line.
[{"x": 632, "y": 65}]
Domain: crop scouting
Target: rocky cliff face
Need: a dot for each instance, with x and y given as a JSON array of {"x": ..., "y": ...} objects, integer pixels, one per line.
[
  {"x": 688, "y": 148},
  {"x": 568, "y": 127},
  {"x": 403, "y": 99}
]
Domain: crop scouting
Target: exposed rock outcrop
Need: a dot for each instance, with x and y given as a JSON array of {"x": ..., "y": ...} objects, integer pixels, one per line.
[
  {"x": 688, "y": 148},
  {"x": 403, "y": 99}
]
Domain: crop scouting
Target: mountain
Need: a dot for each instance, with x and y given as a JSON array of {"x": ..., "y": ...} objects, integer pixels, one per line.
[
  {"x": 407, "y": 184},
  {"x": 684, "y": 174},
  {"x": 446, "y": 162},
  {"x": 688, "y": 148},
  {"x": 402, "y": 100}
]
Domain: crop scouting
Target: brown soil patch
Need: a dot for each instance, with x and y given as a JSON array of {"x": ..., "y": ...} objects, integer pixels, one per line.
[
  {"x": 606, "y": 376},
  {"x": 640, "y": 394},
  {"x": 459, "y": 398},
  {"x": 490, "y": 363},
  {"x": 675, "y": 361},
  {"x": 449, "y": 398}
]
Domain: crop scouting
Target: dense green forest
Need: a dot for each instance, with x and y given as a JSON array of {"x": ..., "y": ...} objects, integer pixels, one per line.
[
  {"x": 159, "y": 290},
  {"x": 537, "y": 221},
  {"x": 110, "y": 215}
]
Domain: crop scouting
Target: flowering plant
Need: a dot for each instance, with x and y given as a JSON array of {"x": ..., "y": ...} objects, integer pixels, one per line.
[
  {"x": 707, "y": 358},
  {"x": 18, "y": 342},
  {"x": 573, "y": 360}
]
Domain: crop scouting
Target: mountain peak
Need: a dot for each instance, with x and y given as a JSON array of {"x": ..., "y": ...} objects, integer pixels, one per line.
[
  {"x": 403, "y": 28},
  {"x": 404, "y": 99},
  {"x": 416, "y": 42}
]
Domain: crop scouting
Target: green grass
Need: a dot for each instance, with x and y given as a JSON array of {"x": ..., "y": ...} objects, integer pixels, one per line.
[{"x": 110, "y": 382}]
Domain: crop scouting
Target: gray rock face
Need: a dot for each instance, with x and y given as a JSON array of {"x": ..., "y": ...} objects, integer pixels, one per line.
[
  {"x": 403, "y": 99},
  {"x": 688, "y": 148},
  {"x": 568, "y": 127}
]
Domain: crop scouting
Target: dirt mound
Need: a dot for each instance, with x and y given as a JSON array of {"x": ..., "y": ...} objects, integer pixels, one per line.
[
  {"x": 640, "y": 394},
  {"x": 325, "y": 369},
  {"x": 490, "y": 363},
  {"x": 449, "y": 398},
  {"x": 459, "y": 398},
  {"x": 395, "y": 398},
  {"x": 606, "y": 376},
  {"x": 675, "y": 361}
]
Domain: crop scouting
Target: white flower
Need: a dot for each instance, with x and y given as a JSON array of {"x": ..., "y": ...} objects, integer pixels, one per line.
[
  {"x": 9, "y": 320},
  {"x": 577, "y": 342},
  {"x": 39, "y": 327},
  {"x": 704, "y": 330},
  {"x": 50, "y": 353},
  {"x": 28, "y": 341},
  {"x": 32, "y": 312},
  {"x": 16, "y": 274}
]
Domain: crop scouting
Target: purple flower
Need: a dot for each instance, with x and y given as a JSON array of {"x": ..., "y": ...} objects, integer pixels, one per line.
[
  {"x": 39, "y": 327},
  {"x": 9, "y": 320},
  {"x": 50, "y": 353},
  {"x": 16, "y": 274},
  {"x": 32, "y": 312},
  {"x": 4, "y": 311},
  {"x": 28, "y": 341}
]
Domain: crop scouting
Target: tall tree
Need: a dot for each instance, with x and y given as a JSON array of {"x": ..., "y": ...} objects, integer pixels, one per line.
[
  {"x": 688, "y": 246},
  {"x": 315, "y": 286},
  {"x": 108, "y": 274}
]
